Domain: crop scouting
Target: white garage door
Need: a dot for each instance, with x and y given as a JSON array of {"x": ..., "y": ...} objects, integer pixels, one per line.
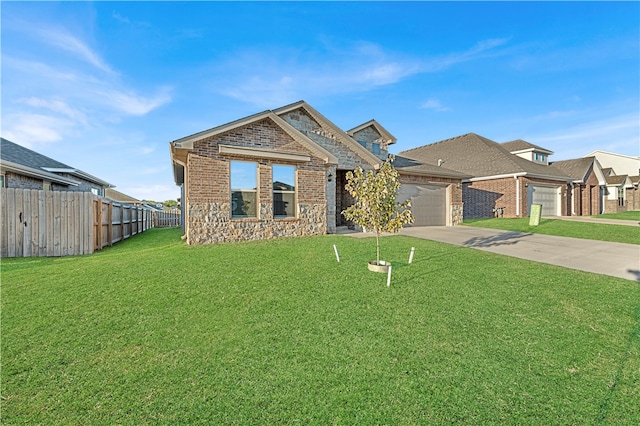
[
  {"x": 428, "y": 203},
  {"x": 548, "y": 197}
]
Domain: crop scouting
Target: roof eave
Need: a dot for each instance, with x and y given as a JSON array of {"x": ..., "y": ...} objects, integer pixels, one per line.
[{"x": 35, "y": 173}]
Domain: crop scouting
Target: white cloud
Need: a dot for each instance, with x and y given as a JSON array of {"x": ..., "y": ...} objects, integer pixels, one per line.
[
  {"x": 271, "y": 77},
  {"x": 619, "y": 134},
  {"x": 61, "y": 39},
  {"x": 32, "y": 130},
  {"x": 435, "y": 105},
  {"x": 132, "y": 103},
  {"x": 115, "y": 15},
  {"x": 55, "y": 105}
]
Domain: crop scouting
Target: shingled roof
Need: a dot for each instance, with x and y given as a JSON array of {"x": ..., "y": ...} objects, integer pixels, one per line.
[
  {"x": 522, "y": 145},
  {"x": 576, "y": 169},
  {"x": 413, "y": 167},
  {"x": 20, "y": 155},
  {"x": 25, "y": 161},
  {"x": 480, "y": 157}
]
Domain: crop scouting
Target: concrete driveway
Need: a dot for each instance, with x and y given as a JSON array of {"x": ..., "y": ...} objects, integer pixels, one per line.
[{"x": 600, "y": 257}]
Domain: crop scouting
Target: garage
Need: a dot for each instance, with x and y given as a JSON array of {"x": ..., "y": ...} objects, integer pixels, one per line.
[
  {"x": 548, "y": 197},
  {"x": 428, "y": 203}
]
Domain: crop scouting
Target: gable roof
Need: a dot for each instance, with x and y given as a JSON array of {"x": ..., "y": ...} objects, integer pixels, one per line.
[
  {"x": 119, "y": 197},
  {"x": 384, "y": 133},
  {"x": 482, "y": 158},
  {"x": 520, "y": 145},
  {"x": 187, "y": 141},
  {"x": 347, "y": 140},
  {"x": 619, "y": 180},
  {"x": 22, "y": 160},
  {"x": 578, "y": 168}
]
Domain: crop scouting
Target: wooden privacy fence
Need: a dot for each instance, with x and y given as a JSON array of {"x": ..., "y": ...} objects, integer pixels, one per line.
[
  {"x": 56, "y": 223},
  {"x": 166, "y": 219}
]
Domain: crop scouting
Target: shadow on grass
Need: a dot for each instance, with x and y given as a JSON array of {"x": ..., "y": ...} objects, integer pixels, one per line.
[{"x": 508, "y": 238}]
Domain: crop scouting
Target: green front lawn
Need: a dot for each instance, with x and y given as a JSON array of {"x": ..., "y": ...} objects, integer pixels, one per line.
[
  {"x": 277, "y": 332},
  {"x": 564, "y": 228},
  {"x": 628, "y": 215}
]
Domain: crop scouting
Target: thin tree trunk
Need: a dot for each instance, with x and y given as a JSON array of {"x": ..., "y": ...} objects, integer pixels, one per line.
[{"x": 378, "y": 246}]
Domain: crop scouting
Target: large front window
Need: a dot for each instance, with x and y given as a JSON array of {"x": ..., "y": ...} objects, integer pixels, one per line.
[
  {"x": 244, "y": 189},
  {"x": 284, "y": 191}
]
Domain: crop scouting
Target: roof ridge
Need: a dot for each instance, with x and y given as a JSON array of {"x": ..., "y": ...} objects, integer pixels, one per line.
[{"x": 438, "y": 142}]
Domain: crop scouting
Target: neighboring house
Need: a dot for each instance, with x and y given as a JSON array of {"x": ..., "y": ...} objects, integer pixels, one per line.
[
  {"x": 283, "y": 172},
  {"x": 121, "y": 198},
  {"x": 621, "y": 194},
  {"x": 587, "y": 185},
  {"x": 505, "y": 178},
  {"x": 21, "y": 167},
  {"x": 618, "y": 191},
  {"x": 153, "y": 205},
  {"x": 621, "y": 164},
  {"x": 634, "y": 195}
]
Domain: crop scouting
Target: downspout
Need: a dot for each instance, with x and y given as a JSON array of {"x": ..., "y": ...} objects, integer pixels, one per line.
[
  {"x": 517, "y": 195},
  {"x": 572, "y": 198}
]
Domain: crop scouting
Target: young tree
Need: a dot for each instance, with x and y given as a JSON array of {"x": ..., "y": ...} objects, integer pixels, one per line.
[{"x": 375, "y": 206}]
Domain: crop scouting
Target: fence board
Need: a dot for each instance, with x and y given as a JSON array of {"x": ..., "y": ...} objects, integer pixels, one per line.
[
  {"x": 58, "y": 223},
  {"x": 26, "y": 223},
  {"x": 20, "y": 223},
  {"x": 42, "y": 223},
  {"x": 4, "y": 244},
  {"x": 50, "y": 222}
]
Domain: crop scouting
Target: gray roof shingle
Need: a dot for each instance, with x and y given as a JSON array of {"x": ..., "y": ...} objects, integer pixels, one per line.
[
  {"x": 478, "y": 156},
  {"x": 522, "y": 145},
  {"x": 576, "y": 169},
  {"x": 18, "y": 154}
]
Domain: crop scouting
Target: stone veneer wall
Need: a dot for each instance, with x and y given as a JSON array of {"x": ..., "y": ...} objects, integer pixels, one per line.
[
  {"x": 369, "y": 135},
  {"x": 208, "y": 193},
  {"x": 303, "y": 122}
]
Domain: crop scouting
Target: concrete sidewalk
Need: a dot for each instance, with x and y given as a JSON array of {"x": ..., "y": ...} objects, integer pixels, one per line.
[
  {"x": 590, "y": 219},
  {"x": 600, "y": 257}
]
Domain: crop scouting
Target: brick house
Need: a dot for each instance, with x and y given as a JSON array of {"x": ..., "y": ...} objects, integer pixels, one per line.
[
  {"x": 23, "y": 168},
  {"x": 586, "y": 186},
  {"x": 282, "y": 173},
  {"x": 505, "y": 178},
  {"x": 620, "y": 193}
]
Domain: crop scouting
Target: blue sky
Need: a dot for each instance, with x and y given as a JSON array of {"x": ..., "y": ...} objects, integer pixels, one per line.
[{"x": 106, "y": 86}]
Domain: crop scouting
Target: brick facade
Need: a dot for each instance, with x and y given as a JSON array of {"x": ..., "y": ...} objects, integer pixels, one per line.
[
  {"x": 320, "y": 182},
  {"x": 586, "y": 197},
  {"x": 14, "y": 180},
  {"x": 208, "y": 194},
  {"x": 486, "y": 198}
]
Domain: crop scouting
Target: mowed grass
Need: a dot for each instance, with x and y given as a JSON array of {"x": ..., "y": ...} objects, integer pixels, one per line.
[
  {"x": 564, "y": 228},
  {"x": 277, "y": 332},
  {"x": 628, "y": 215}
]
